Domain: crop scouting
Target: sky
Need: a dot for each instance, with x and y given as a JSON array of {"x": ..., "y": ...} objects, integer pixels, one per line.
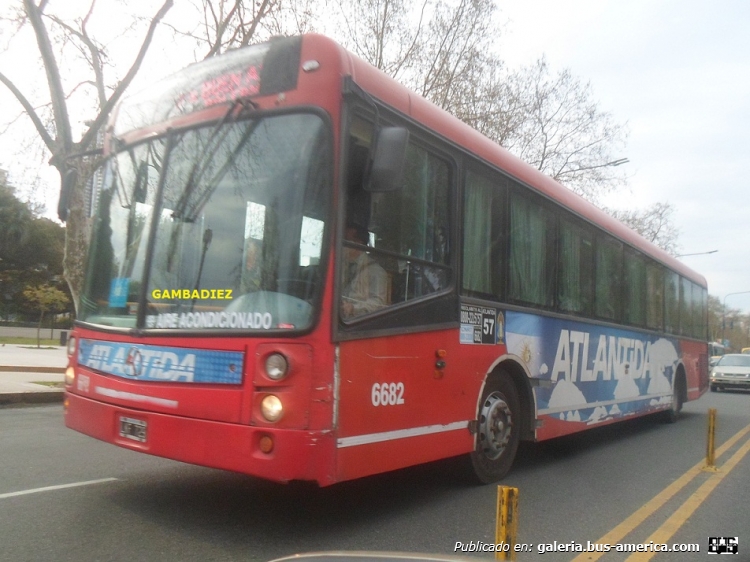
[{"x": 677, "y": 72}]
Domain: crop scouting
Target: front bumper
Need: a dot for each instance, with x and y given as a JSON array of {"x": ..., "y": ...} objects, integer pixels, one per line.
[
  {"x": 741, "y": 382},
  {"x": 296, "y": 455}
]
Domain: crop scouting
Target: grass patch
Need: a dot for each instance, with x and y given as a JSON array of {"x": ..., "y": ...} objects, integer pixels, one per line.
[
  {"x": 29, "y": 341},
  {"x": 51, "y": 384}
]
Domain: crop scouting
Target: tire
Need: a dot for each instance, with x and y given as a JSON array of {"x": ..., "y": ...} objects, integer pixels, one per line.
[
  {"x": 673, "y": 414},
  {"x": 498, "y": 431},
  {"x": 713, "y": 388}
]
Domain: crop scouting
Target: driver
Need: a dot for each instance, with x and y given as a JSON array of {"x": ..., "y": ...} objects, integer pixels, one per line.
[{"x": 365, "y": 281}]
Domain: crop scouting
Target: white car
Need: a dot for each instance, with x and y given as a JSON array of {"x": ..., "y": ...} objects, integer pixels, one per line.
[{"x": 732, "y": 371}]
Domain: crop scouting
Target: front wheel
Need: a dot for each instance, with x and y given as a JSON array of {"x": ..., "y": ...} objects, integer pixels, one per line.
[{"x": 498, "y": 430}]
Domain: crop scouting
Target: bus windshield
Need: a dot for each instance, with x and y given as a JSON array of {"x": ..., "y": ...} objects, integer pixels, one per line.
[{"x": 237, "y": 238}]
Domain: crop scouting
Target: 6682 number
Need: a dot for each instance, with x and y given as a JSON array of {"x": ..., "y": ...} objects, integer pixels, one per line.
[{"x": 387, "y": 393}]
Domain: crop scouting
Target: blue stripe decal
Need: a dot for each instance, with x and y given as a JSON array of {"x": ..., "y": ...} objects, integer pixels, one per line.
[
  {"x": 592, "y": 373},
  {"x": 157, "y": 363}
]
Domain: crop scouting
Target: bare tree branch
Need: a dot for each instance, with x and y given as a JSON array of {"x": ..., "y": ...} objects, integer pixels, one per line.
[
  {"x": 221, "y": 27},
  {"x": 55, "y": 130},
  {"x": 98, "y": 123},
  {"x": 57, "y": 95},
  {"x": 30, "y": 111},
  {"x": 93, "y": 54},
  {"x": 653, "y": 223},
  {"x": 257, "y": 18}
]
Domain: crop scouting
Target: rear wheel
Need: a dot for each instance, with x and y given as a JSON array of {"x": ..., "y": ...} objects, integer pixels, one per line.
[
  {"x": 673, "y": 414},
  {"x": 498, "y": 430}
]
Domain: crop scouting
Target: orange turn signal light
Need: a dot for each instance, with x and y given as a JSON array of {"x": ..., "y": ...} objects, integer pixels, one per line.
[{"x": 266, "y": 444}]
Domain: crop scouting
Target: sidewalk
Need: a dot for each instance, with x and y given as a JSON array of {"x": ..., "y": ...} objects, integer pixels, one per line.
[{"x": 24, "y": 367}]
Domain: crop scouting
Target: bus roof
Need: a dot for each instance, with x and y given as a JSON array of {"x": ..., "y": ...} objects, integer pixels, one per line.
[{"x": 394, "y": 94}]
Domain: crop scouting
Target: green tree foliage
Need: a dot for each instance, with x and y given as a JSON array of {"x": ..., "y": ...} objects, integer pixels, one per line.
[
  {"x": 45, "y": 298},
  {"x": 14, "y": 216},
  {"x": 31, "y": 252}
]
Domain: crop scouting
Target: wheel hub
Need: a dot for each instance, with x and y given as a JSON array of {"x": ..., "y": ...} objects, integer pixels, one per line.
[{"x": 495, "y": 426}]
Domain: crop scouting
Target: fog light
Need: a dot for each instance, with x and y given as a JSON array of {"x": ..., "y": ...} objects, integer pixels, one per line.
[
  {"x": 276, "y": 366},
  {"x": 271, "y": 408},
  {"x": 70, "y": 376},
  {"x": 266, "y": 444}
]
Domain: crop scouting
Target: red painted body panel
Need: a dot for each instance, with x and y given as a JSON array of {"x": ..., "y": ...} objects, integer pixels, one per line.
[
  {"x": 307, "y": 390},
  {"x": 430, "y": 397},
  {"x": 297, "y": 454},
  {"x": 333, "y": 429},
  {"x": 695, "y": 361}
]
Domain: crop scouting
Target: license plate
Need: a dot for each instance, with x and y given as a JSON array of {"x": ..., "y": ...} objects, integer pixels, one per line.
[{"x": 131, "y": 428}]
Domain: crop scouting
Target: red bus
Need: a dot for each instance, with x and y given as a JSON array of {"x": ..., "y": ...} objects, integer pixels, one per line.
[{"x": 300, "y": 270}]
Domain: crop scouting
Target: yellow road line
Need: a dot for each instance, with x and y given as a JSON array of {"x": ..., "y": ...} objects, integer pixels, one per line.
[
  {"x": 640, "y": 515},
  {"x": 671, "y": 525}
]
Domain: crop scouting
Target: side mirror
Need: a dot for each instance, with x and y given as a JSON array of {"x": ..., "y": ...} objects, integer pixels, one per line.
[
  {"x": 69, "y": 180},
  {"x": 387, "y": 172}
]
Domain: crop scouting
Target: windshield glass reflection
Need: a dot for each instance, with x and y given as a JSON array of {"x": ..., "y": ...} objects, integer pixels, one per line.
[{"x": 239, "y": 233}]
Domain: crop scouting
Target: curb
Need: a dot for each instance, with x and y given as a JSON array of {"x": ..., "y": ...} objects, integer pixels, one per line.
[{"x": 43, "y": 397}]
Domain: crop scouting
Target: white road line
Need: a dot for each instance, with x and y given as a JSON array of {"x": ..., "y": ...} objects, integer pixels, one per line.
[{"x": 58, "y": 487}]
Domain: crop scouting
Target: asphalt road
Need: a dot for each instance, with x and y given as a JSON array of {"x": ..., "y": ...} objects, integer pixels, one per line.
[{"x": 135, "y": 507}]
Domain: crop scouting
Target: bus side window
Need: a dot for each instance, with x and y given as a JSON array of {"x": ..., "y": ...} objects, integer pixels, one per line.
[
  {"x": 358, "y": 199},
  {"x": 532, "y": 250},
  {"x": 408, "y": 229},
  {"x": 608, "y": 278},
  {"x": 484, "y": 225},
  {"x": 414, "y": 223}
]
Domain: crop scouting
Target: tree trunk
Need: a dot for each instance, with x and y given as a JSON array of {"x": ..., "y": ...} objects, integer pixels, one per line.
[
  {"x": 39, "y": 331},
  {"x": 77, "y": 233}
]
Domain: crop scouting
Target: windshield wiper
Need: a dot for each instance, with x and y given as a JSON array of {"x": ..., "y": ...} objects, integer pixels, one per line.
[
  {"x": 211, "y": 185},
  {"x": 181, "y": 212},
  {"x": 208, "y": 235},
  {"x": 212, "y": 145}
]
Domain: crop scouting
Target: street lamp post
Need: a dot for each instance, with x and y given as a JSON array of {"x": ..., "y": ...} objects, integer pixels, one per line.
[
  {"x": 724, "y": 312},
  {"x": 696, "y": 254}
]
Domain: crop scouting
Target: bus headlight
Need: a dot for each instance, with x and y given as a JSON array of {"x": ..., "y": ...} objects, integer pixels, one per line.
[
  {"x": 271, "y": 408},
  {"x": 277, "y": 366},
  {"x": 70, "y": 376}
]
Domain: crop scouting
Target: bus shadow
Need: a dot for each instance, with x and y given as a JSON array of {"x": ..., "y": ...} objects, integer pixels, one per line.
[
  {"x": 238, "y": 511},
  {"x": 539, "y": 455},
  {"x": 234, "y": 509}
]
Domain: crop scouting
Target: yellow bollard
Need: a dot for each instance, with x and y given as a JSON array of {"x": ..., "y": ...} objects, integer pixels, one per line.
[
  {"x": 507, "y": 522},
  {"x": 711, "y": 445}
]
